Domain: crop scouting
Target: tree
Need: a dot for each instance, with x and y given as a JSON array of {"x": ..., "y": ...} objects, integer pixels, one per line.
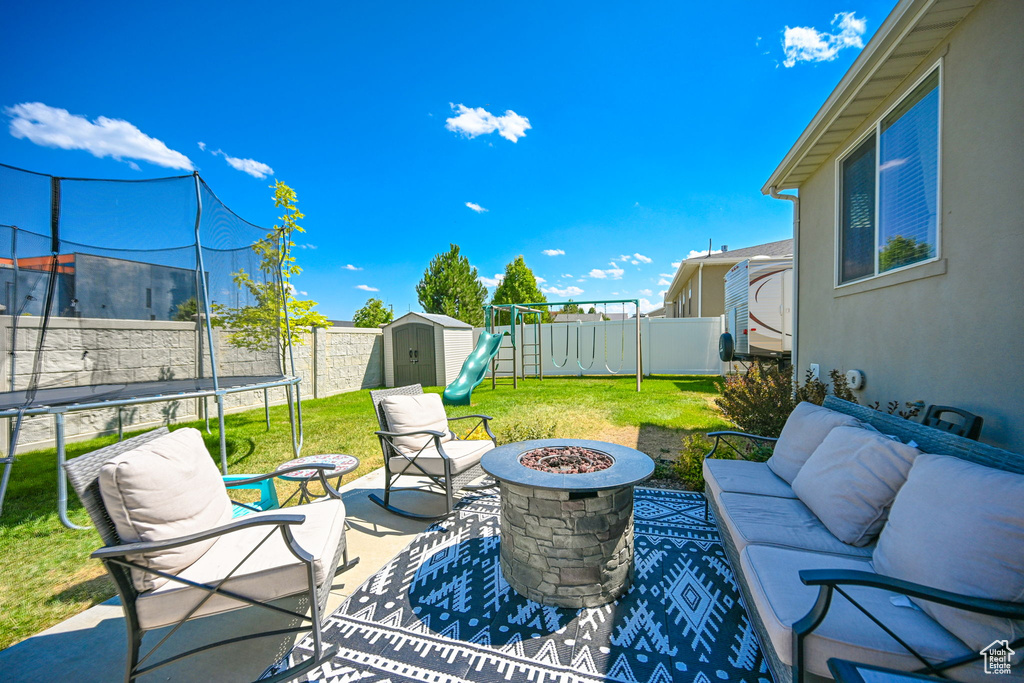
[
  {"x": 373, "y": 314},
  {"x": 902, "y": 251},
  {"x": 570, "y": 307},
  {"x": 518, "y": 287},
  {"x": 260, "y": 325},
  {"x": 450, "y": 287},
  {"x": 592, "y": 311}
]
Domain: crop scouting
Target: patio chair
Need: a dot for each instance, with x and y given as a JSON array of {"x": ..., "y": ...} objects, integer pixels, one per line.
[
  {"x": 416, "y": 441},
  {"x": 965, "y": 424},
  {"x": 176, "y": 554}
]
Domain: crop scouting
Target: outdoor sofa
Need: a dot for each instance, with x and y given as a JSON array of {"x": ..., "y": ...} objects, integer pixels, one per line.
[{"x": 922, "y": 529}]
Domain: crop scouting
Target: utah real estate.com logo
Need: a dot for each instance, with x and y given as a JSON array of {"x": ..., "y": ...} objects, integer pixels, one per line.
[{"x": 997, "y": 657}]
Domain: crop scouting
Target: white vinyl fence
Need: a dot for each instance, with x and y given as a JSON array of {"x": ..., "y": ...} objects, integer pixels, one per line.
[{"x": 670, "y": 346}]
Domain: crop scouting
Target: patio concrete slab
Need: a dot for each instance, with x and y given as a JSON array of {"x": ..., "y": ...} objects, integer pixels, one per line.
[{"x": 91, "y": 646}]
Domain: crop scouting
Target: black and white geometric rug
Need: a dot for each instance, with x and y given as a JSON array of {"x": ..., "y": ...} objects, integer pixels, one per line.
[{"x": 442, "y": 612}]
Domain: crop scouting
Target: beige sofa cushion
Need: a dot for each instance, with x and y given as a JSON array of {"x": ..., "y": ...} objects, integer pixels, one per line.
[
  {"x": 767, "y": 520},
  {"x": 272, "y": 572},
  {"x": 805, "y": 429},
  {"x": 959, "y": 526},
  {"x": 166, "y": 488},
  {"x": 463, "y": 454},
  {"x": 414, "y": 414},
  {"x": 780, "y": 599},
  {"x": 743, "y": 476},
  {"x": 851, "y": 479}
]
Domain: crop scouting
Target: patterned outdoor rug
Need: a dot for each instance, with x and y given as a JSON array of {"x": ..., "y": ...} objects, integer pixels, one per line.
[{"x": 441, "y": 611}]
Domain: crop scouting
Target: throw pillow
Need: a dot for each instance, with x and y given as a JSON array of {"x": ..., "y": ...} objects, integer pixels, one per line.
[
  {"x": 167, "y": 488},
  {"x": 806, "y": 428},
  {"x": 959, "y": 526},
  {"x": 851, "y": 479},
  {"x": 414, "y": 414}
]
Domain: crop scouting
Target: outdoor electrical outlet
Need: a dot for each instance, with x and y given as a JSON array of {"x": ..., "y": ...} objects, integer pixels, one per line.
[{"x": 815, "y": 370}]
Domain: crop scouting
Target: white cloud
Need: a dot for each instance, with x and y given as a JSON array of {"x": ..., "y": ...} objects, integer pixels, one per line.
[
  {"x": 598, "y": 274},
  {"x": 676, "y": 264},
  {"x": 476, "y": 207},
  {"x": 662, "y": 293},
  {"x": 367, "y": 288},
  {"x": 566, "y": 275},
  {"x": 491, "y": 281},
  {"x": 349, "y": 266},
  {"x": 614, "y": 272},
  {"x": 52, "y": 127},
  {"x": 668, "y": 275},
  {"x": 646, "y": 305},
  {"x": 202, "y": 146},
  {"x": 664, "y": 282},
  {"x": 694, "y": 253},
  {"x": 539, "y": 279},
  {"x": 571, "y": 290},
  {"x": 306, "y": 246},
  {"x": 807, "y": 44},
  {"x": 554, "y": 252},
  {"x": 623, "y": 258},
  {"x": 473, "y": 122},
  {"x": 642, "y": 258},
  {"x": 645, "y": 292},
  {"x": 257, "y": 169},
  {"x": 635, "y": 262}
]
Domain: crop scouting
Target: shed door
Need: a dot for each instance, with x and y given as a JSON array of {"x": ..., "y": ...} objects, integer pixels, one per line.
[{"x": 414, "y": 355}]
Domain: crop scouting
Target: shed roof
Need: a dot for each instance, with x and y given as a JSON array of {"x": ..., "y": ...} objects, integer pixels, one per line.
[
  {"x": 437, "y": 319},
  {"x": 907, "y": 36}
]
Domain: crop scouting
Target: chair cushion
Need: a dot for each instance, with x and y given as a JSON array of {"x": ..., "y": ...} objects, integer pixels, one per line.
[
  {"x": 959, "y": 526},
  {"x": 743, "y": 476},
  {"x": 272, "y": 572},
  {"x": 780, "y": 599},
  {"x": 414, "y": 414},
  {"x": 166, "y": 488},
  {"x": 767, "y": 520},
  {"x": 463, "y": 454},
  {"x": 851, "y": 479},
  {"x": 805, "y": 429}
]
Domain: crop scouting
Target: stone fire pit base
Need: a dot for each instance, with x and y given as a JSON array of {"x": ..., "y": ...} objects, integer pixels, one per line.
[{"x": 567, "y": 548}]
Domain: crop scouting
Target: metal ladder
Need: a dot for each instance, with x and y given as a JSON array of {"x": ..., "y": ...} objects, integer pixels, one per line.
[
  {"x": 532, "y": 353},
  {"x": 498, "y": 358}
]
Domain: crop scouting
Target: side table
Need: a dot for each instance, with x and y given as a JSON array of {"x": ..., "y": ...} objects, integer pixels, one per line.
[{"x": 343, "y": 464}]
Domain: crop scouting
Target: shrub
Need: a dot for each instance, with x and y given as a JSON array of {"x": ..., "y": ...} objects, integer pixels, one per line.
[
  {"x": 689, "y": 467},
  {"x": 760, "y": 401},
  {"x": 511, "y": 432}
]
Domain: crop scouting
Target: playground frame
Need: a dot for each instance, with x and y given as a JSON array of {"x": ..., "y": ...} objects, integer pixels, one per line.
[{"x": 533, "y": 309}]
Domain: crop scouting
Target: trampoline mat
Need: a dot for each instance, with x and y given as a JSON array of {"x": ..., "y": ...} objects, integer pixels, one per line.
[{"x": 100, "y": 393}]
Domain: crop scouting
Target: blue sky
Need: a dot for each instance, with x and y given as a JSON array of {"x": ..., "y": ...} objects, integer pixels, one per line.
[{"x": 599, "y": 130}]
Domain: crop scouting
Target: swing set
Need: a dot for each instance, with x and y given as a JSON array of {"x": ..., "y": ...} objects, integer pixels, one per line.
[{"x": 532, "y": 352}]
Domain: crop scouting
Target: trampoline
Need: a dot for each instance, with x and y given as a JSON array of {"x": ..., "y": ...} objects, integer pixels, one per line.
[{"x": 83, "y": 258}]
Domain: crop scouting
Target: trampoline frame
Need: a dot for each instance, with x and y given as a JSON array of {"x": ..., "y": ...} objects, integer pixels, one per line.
[{"x": 289, "y": 382}]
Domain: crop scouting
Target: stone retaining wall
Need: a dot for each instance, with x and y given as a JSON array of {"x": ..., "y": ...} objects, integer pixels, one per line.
[{"x": 84, "y": 351}]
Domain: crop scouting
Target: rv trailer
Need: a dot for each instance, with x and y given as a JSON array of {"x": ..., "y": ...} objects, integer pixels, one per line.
[{"x": 758, "y": 310}]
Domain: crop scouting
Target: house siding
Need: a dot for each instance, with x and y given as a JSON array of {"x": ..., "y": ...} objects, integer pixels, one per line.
[{"x": 947, "y": 332}]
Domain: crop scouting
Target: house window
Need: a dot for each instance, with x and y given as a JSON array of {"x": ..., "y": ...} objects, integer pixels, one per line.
[{"x": 889, "y": 190}]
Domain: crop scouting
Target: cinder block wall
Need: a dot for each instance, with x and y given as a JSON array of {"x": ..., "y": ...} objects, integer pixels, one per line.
[{"x": 82, "y": 351}]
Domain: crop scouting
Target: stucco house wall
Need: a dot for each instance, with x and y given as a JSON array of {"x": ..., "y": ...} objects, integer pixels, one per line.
[{"x": 947, "y": 332}]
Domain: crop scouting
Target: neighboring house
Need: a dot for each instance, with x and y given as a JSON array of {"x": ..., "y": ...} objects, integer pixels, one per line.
[
  {"x": 910, "y": 222},
  {"x": 698, "y": 288}
]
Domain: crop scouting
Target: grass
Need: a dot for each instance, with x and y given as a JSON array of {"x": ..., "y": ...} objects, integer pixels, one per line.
[{"x": 49, "y": 577}]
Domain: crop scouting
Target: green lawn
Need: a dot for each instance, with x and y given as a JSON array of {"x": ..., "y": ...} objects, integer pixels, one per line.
[{"x": 47, "y": 574}]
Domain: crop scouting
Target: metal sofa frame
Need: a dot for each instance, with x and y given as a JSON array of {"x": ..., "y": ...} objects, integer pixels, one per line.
[
  {"x": 829, "y": 581},
  {"x": 446, "y": 484}
]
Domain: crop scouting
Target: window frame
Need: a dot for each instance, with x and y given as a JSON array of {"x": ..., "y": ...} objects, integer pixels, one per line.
[{"x": 876, "y": 130}]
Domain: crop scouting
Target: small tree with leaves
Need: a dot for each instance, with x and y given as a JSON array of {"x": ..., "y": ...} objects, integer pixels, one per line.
[
  {"x": 373, "y": 314},
  {"x": 260, "y": 325},
  {"x": 450, "y": 287},
  {"x": 518, "y": 287},
  {"x": 571, "y": 307}
]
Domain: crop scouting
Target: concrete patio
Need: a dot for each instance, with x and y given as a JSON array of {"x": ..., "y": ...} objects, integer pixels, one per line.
[{"x": 91, "y": 646}]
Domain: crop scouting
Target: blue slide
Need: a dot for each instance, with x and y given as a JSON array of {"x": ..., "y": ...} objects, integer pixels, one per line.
[{"x": 473, "y": 370}]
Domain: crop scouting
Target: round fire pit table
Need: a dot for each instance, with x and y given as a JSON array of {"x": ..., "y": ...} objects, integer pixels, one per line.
[{"x": 567, "y": 535}]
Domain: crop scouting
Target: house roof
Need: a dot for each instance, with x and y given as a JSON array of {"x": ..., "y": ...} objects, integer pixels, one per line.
[
  {"x": 581, "y": 317},
  {"x": 726, "y": 258},
  {"x": 905, "y": 39},
  {"x": 443, "y": 320}
]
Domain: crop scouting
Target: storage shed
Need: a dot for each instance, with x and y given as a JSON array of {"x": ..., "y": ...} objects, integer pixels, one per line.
[{"x": 425, "y": 348}]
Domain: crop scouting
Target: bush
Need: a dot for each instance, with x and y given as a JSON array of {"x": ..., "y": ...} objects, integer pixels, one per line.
[
  {"x": 689, "y": 468},
  {"x": 511, "y": 432},
  {"x": 760, "y": 401}
]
